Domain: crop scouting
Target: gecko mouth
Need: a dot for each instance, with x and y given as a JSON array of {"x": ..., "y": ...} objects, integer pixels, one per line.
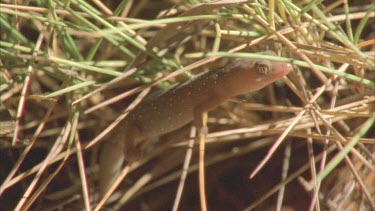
[{"x": 261, "y": 78}]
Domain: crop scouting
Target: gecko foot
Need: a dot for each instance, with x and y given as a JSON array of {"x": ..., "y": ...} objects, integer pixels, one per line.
[{"x": 203, "y": 130}]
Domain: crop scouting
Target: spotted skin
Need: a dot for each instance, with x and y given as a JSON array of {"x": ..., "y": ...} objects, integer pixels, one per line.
[{"x": 162, "y": 112}]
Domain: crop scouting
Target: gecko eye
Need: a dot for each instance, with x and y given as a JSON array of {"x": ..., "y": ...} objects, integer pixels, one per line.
[{"x": 262, "y": 68}]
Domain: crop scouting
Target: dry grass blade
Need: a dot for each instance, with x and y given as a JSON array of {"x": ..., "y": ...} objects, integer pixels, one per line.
[{"x": 71, "y": 71}]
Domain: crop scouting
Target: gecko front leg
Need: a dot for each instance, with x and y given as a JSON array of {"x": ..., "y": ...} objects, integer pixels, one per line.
[{"x": 207, "y": 105}]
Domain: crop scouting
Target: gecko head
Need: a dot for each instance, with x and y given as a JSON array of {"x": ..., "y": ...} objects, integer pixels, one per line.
[
  {"x": 268, "y": 71},
  {"x": 254, "y": 74}
]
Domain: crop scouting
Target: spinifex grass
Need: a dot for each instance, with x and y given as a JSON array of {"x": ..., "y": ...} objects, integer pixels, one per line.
[{"x": 61, "y": 63}]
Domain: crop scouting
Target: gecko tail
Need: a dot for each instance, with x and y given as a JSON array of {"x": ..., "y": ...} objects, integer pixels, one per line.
[{"x": 111, "y": 160}]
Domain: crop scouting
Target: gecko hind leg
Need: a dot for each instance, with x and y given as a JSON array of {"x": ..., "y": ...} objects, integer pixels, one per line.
[
  {"x": 114, "y": 151},
  {"x": 136, "y": 144},
  {"x": 111, "y": 160}
]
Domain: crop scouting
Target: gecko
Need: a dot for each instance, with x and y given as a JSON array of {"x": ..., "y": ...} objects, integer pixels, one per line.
[{"x": 165, "y": 111}]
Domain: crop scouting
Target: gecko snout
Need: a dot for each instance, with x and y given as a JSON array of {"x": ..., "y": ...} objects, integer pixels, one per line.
[{"x": 282, "y": 69}]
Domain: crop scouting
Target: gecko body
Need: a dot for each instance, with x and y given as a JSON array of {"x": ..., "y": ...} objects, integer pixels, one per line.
[{"x": 162, "y": 112}]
